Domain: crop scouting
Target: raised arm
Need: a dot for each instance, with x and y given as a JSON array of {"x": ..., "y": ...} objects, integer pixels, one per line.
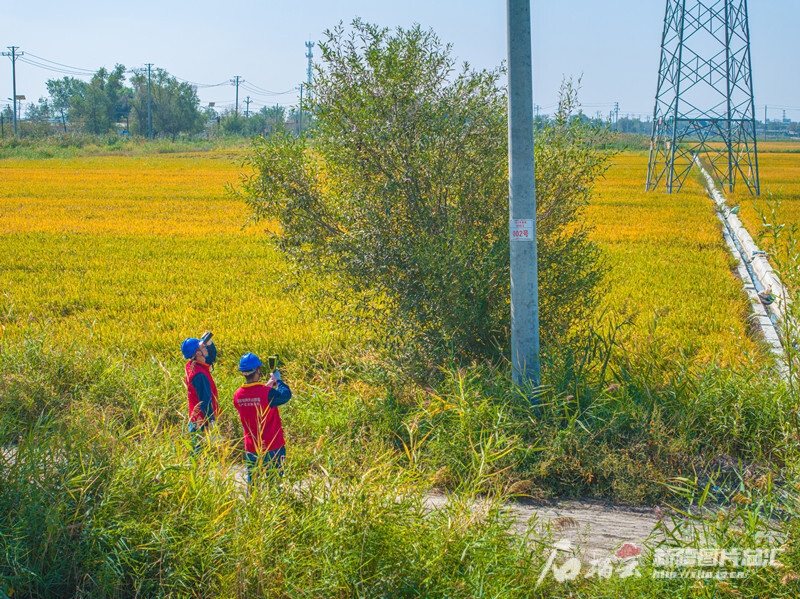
[{"x": 279, "y": 395}]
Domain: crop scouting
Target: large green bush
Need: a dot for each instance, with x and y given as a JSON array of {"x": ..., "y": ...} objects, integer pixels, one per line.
[{"x": 399, "y": 194}]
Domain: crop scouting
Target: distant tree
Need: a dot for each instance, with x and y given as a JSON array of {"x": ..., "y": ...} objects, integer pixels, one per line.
[
  {"x": 232, "y": 123},
  {"x": 275, "y": 113},
  {"x": 274, "y": 118},
  {"x": 209, "y": 118},
  {"x": 175, "y": 105},
  {"x": 580, "y": 118},
  {"x": 268, "y": 120},
  {"x": 124, "y": 106},
  {"x": 38, "y": 118},
  {"x": 61, "y": 92},
  {"x": 254, "y": 124},
  {"x": 98, "y": 103},
  {"x": 632, "y": 125},
  {"x": 292, "y": 121},
  {"x": 39, "y": 111}
]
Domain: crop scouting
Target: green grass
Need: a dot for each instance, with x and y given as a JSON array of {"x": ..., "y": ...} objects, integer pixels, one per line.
[
  {"x": 101, "y": 498},
  {"x": 73, "y": 145}
]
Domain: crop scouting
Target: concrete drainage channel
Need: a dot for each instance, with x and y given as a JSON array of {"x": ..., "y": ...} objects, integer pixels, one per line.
[{"x": 763, "y": 287}]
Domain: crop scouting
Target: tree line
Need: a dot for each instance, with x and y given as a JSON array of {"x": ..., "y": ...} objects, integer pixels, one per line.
[{"x": 107, "y": 104}]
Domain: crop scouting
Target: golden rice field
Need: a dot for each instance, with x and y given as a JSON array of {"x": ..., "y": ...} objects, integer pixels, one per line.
[
  {"x": 669, "y": 264},
  {"x": 137, "y": 252},
  {"x": 779, "y": 174}
]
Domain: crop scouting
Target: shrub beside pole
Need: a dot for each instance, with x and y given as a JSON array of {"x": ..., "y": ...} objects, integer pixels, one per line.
[{"x": 522, "y": 199}]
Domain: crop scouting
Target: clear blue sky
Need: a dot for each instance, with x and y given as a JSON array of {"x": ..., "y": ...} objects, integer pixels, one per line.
[{"x": 613, "y": 44}]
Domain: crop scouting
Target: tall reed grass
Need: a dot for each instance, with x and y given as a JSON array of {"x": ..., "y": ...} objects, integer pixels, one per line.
[{"x": 100, "y": 496}]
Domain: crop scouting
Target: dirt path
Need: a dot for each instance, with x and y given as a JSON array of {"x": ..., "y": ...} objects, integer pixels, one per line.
[{"x": 597, "y": 529}]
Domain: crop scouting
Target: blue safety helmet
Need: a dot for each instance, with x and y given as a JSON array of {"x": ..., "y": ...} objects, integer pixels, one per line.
[
  {"x": 249, "y": 362},
  {"x": 189, "y": 347}
]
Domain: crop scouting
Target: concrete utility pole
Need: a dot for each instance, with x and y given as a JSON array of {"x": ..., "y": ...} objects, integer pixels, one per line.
[
  {"x": 236, "y": 81},
  {"x": 522, "y": 199},
  {"x": 247, "y": 109},
  {"x": 14, "y": 55},
  {"x": 149, "y": 104}
]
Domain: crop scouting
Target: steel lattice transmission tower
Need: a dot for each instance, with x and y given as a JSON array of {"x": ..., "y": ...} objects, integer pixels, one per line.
[
  {"x": 309, "y": 56},
  {"x": 704, "y": 100}
]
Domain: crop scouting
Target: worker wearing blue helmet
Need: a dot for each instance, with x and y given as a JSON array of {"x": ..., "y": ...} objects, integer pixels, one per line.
[
  {"x": 201, "y": 390},
  {"x": 257, "y": 402}
]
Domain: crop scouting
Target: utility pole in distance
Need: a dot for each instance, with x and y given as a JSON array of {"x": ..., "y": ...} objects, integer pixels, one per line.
[
  {"x": 14, "y": 55},
  {"x": 522, "y": 199},
  {"x": 247, "y": 109},
  {"x": 149, "y": 104},
  {"x": 300, "y": 111},
  {"x": 236, "y": 81}
]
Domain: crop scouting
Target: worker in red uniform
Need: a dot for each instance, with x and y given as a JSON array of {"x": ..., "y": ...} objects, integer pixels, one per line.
[
  {"x": 202, "y": 391},
  {"x": 258, "y": 402}
]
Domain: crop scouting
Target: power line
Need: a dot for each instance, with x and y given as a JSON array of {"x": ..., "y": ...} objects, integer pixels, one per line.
[
  {"x": 793, "y": 108},
  {"x": 267, "y": 91},
  {"x": 258, "y": 92},
  {"x": 53, "y": 66},
  {"x": 52, "y": 69},
  {"x": 201, "y": 85},
  {"x": 272, "y": 104},
  {"x": 261, "y": 97},
  {"x": 66, "y": 66},
  {"x": 231, "y": 104}
]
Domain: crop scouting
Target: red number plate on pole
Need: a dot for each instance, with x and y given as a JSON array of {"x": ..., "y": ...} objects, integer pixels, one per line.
[{"x": 521, "y": 229}]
